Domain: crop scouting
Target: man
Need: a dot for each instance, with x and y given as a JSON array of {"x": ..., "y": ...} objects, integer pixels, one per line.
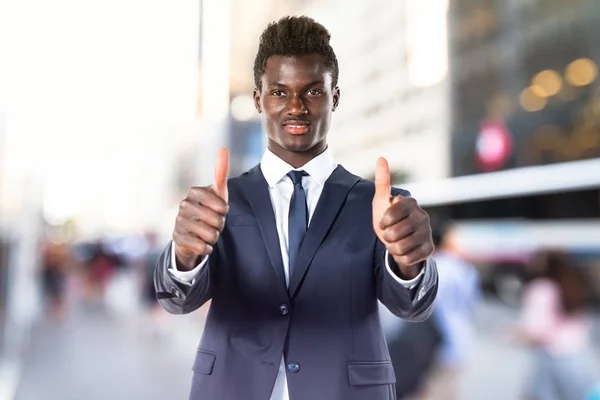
[{"x": 295, "y": 253}]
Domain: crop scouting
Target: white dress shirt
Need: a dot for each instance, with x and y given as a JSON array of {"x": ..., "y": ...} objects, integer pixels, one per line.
[{"x": 281, "y": 188}]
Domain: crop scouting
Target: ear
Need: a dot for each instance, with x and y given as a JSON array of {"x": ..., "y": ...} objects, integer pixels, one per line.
[
  {"x": 336, "y": 97},
  {"x": 256, "y": 96}
]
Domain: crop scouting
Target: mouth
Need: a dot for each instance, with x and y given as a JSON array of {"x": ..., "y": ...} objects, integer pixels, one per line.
[{"x": 296, "y": 127}]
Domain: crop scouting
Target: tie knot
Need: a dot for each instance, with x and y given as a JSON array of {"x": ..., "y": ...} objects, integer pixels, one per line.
[{"x": 296, "y": 176}]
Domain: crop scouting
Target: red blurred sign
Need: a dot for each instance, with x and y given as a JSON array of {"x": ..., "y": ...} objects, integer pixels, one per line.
[{"x": 493, "y": 146}]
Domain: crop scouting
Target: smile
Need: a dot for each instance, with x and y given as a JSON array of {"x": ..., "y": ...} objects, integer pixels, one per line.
[{"x": 296, "y": 129}]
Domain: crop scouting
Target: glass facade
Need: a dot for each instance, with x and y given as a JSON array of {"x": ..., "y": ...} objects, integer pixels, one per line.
[{"x": 530, "y": 66}]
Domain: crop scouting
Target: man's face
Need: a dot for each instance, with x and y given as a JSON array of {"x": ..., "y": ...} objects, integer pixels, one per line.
[{"x": 296, "y": 99}]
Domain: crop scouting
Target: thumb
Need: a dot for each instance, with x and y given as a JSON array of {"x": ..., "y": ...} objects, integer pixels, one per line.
[
  {"x": 221, "y": 171},
  {"x": 383, "y": 187}
]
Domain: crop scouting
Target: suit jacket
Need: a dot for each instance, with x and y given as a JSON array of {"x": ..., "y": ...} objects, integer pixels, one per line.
[{"x": 326, "y": 324}]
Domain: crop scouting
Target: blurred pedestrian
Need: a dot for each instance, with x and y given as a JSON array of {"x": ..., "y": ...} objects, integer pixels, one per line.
[
  {"x": 101, "y": 267},
  {"x": 157, "y": 314},
  {"x": 54, "y": 264},
  {"x": 556, "y": 323},
  {"x": 459, "y": 292}
]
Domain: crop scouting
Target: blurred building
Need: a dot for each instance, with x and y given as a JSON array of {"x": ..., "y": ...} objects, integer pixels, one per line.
[
  {"x": 525, "y": 134},
  {"x": 394, "y": 86},
  {"x": 525, "y": 93},
  {"x": 524, "y": 83}
]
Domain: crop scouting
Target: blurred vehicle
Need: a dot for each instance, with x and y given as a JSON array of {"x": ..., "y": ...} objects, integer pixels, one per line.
[
  {"x": 503, "y": 217},
  {"x": 501, "y": 249}
]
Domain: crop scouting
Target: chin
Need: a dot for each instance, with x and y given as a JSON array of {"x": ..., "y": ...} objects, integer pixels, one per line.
[{"x": 298, "y": 146}]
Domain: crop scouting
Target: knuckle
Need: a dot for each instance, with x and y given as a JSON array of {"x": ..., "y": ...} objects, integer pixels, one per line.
[
  {"x": 220, "y": 206},
  {"x": 196, "y": 193},
  {"x": 213, "y": 235},
  {"x": 200, "y": 246},
  {"x": 396, "y": 249},
  {"x": 178, "y": 237},
  {"x": 386, "y": 237},
  {"x": 387, "y": 217},
  {"x": 184, "y": 204},
  {"x": 193, "y": 192},
  {"x": 405, "y": 248},
  {"x": 204, "y": 248},
  {"x": 400, "y": 249}
]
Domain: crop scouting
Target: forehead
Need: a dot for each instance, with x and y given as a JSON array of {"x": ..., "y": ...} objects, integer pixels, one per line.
[{"x": 295, "y": 70}]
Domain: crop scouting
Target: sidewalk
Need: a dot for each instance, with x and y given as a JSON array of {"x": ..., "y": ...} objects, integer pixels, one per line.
[
  {"x": 96, "y": 356},
  {"x": 10, "y": 372}
]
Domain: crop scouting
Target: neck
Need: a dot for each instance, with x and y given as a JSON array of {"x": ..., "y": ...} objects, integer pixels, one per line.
[{"x": 297, "y": 159}]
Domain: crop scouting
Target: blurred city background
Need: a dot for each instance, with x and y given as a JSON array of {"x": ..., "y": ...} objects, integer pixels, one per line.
[{"x": 487, "y": 110}]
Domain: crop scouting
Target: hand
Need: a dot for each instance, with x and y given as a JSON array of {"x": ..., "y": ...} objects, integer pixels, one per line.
[
  {"x": 400, "y": 224},
  {"x": 201, "y": 217}
]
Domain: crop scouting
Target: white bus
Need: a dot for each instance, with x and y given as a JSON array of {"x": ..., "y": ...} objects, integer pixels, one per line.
[{"x": 503, "y": 217}]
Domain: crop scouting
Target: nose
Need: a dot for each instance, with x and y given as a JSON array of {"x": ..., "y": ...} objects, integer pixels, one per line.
[{"x": 296, "y": 106}]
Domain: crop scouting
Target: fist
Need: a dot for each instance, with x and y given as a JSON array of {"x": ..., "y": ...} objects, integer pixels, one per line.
[
  {"x": 400, "y": 223},
  {"x": 201, "y": 217}
]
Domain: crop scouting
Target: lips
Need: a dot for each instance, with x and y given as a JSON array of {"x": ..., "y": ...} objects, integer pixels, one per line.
[{"x": 296, "y": 127}]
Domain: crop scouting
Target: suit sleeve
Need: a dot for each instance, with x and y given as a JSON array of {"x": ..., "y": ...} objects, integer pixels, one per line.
[
  {"x": 412, "y": 304},
  {"x": 180, "y": 298}
]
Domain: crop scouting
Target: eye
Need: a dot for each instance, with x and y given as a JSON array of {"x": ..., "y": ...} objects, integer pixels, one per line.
[
  {"x": 315, "y": 92},
  {"x": 278, "y": 92}
]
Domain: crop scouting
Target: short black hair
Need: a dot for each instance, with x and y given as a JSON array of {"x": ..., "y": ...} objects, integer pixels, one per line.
[{"x": 295, "y": 37}]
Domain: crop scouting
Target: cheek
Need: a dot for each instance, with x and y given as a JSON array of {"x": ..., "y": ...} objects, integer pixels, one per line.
[
  {"x": 272, "y": 108},
  {"x": 321, "y": 108}
]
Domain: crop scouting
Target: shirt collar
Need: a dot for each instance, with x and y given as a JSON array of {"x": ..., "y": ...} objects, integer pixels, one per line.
[{"x": 319, "y": 168}]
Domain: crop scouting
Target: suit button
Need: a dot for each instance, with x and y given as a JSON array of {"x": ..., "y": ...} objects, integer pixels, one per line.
[
  {"x": 284, "y": 309},
  {"x": 293, "y": 367}
]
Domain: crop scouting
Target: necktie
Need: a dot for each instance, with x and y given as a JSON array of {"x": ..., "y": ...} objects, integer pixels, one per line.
[{"x": 298, "y": 217}]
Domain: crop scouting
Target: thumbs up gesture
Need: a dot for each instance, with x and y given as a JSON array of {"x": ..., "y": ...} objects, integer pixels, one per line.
[
  {"x": 201, "y": 217},
  {"x": 400, "y": 224}
]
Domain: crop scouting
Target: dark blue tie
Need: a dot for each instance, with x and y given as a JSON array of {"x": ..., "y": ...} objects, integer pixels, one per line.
[{"x": 298, "y": 217}]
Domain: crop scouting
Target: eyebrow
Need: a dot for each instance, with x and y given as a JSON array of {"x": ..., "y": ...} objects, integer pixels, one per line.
[{"x": 313, "y": 83}]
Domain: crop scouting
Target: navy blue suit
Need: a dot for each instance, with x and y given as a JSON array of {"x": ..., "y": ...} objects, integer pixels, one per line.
[{"x": 326, "y": 325}]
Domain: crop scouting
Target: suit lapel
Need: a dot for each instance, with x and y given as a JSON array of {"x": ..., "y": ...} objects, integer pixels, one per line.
[
  {"x": 332, "y": 198},
  {"x": 257, "y": 191}
]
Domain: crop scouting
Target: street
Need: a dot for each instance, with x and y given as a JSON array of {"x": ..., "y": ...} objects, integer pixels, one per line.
[{"x": 95, "y": 356}]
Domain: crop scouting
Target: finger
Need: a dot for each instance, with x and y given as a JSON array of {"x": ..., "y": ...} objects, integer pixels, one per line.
[
  {"x": 383, "y": 188},
  {"x": 191, "y": 245},
  {"x": 398, "y": 231},
  {"x": 221, "y": 171},
  {"x": 401, "y": 208},
  {"x": 196, "y": 212},
  {"x": 206, "y": 197},
  {"x": 422, "y": 236},
  {"x": 415, "y": 256},
  {"x": 402, "y": 247},
  {"x": 198, "y": 229}
]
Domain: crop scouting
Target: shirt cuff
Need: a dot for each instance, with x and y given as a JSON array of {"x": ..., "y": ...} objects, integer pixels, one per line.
[
  {"x": 410, "y": 284},
  {"x": 185, "y": 277}
]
